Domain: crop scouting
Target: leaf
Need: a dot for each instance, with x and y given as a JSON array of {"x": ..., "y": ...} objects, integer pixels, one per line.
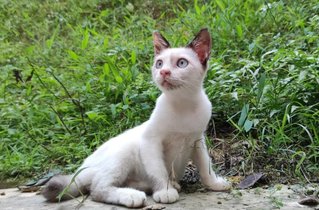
[
  {"x": 105, "y": 42},
  {"x": 251, "y": 46},
  {"x": 115, "y": 70},
  {"x": 73, "y": 55},
  {"x": 133, "y": 57},
  {"x": 256, "y": 122},
  {"x": 106, "y": 69},
  {"x": 302, "y": 75},
  {"x": 113, "y": 109},
  {"x": 250, "y": 180},
  {"x": 309, "y": 201},
  {"x": 104, "y": 13},
  {"x": 269, "y": 52},
  {"x": 50, "y": 41},
  {"x": 293, "y": 108},
  {"x": 85, "y": 39},
  {"x": 235, "y": 95},
  {"x": 197, "y": 9},
  {"x": 274, "y": 111},
  {"x": 92, "y": 115},
  {"x": 248, "y": 125},
  {"x": 239, "y": 30},
  {"x": 117, "y": 76},
  {"x": 261, "y": 86},
  {"x": 243, "y": 115},
  {"x": 154, "y": 207},
  {"x": 88, "y": 87},
  {"x": 220, "y": 4}
]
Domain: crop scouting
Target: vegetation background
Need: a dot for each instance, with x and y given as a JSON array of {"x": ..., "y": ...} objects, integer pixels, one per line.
[{"x": 75, "y": 73}]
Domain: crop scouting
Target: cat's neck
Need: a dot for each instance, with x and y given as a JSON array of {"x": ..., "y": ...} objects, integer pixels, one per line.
[{"x": 188, "y": 99}]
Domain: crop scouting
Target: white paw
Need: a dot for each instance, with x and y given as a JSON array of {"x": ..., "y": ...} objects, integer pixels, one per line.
[
  {"x": 220, "y": 184},
  {"x": 166, "y": 196},
  {"x": 133, "y": 199}
]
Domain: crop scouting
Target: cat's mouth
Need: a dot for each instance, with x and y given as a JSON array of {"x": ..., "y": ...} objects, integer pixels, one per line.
[{"x": 169, "y": 85}]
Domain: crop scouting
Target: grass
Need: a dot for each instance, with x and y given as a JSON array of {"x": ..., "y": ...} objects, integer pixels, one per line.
[{"x": 74, "y": 73}]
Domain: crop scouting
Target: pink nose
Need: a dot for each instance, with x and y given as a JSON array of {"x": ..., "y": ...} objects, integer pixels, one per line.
[{"x": 165, "y": 72}]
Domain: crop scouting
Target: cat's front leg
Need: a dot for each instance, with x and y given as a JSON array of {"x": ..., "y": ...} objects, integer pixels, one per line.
[
  {"x": 151, "y": 152},
  {"x": 202, "y": 161}
]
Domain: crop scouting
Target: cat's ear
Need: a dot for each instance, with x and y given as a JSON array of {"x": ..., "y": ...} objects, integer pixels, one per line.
[
  {"x": 160, "y": 43},
  {"x": 202, "y": 44}
]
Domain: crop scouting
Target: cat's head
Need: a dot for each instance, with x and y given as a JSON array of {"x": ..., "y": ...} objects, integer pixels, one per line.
[{"x": 181, "y": 68}]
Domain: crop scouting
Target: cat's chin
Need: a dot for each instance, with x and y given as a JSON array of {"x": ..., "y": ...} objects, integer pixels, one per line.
[
  {"x": 166, "y": 85},
  {"x": 169, "y": 86}
]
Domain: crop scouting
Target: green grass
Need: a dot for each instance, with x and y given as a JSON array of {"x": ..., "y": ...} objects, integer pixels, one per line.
[{"x": 74, "y": 73}]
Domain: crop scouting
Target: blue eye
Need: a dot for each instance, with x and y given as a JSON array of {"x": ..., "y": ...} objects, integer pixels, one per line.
[
  {"x": 159, "y": 64},
  {"x": 182, "y": 63}
]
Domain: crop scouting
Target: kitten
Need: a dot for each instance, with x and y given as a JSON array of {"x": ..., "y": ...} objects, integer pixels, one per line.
[{"x": 151, "y": 157}]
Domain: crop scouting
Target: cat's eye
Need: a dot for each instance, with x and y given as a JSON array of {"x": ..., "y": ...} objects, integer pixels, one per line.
[
  {"x": 182, "y": 63},
  {"x": 159, "y": 64}
]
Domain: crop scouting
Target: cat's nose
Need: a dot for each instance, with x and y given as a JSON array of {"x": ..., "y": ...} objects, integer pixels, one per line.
[{"x": 165, "y": 73}]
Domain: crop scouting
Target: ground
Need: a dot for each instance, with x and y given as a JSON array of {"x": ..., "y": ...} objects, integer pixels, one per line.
[{"x": 280, "y": 196}]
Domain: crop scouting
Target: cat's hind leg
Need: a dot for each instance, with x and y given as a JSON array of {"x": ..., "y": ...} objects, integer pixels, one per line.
[
  {"x": 107, "y": 188},
  {"x": 203, "y": 163}
]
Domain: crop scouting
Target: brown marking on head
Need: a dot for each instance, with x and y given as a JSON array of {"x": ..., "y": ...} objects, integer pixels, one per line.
[
  {"x": 202, "y": 44},
  {"x": 160, "y": 43}
]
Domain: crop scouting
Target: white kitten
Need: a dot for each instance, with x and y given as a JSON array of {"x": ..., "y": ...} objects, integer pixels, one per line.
[{"x": 152, "y": 157}]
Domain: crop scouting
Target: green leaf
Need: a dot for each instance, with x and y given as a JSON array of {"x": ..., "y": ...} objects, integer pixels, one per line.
[
  {"x": 92, "y": 115},
  {"x": 85, "y": 39},
  {"x": 302, "y": 76},
  {"x": 113, "y": 109},
  {"x": 50, "y": 41},
  {"x": 243, "y": 115},
  {"x": 115, "y": 70},
  {"x": 106, "y": 69},
  {"x": 88, "y": 87},
  {"x": 261, "y": 86},
  {"x": 197, "y": 9},
  {"x": 133, "y": 57},
  {"x": 239, "y": 30},
  {"x": 248, "y": 125},
  {"x": 105, "y": 42},
  {"x": 117, "y": 75},
  {"x": 73, "y": 55},
  {"x": 220, "y": 4}
]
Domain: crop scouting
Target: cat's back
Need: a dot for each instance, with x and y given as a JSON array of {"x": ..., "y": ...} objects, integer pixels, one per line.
[{"x": 125, "y": 144}]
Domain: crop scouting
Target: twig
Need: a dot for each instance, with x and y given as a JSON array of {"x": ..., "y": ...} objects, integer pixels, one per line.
[
  {"x": 42, "y": 83},
  {"x": 66, "y": 127},
  {"x": 213, "y": 133},
  {"x": 272, "y": 15},
  {"x": 76, "y": 102}
]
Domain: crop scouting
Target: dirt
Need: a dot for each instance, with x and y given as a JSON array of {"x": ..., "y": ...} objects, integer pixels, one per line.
[{"x": 279, "y": 196}]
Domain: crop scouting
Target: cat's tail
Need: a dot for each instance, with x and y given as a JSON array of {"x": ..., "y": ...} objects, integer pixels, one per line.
[{"x": 64, "y": 187}]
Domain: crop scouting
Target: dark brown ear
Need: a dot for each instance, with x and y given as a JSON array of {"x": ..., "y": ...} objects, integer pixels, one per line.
[
  {"x": 160, "y": 43},
  {"x": 202, "y": 44}
]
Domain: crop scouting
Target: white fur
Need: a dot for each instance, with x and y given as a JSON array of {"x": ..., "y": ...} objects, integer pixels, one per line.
[{"x": 152, "y": 157}]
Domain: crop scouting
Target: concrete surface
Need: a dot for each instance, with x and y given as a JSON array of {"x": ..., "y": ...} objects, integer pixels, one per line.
[{"x": 258, "y": 198}]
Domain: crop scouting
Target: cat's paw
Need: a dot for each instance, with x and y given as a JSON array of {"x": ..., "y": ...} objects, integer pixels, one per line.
[
  {"x": 133, "y": 200},
  {"x": 166, "y": 196},
  {"x": 220, "y": 184}
]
